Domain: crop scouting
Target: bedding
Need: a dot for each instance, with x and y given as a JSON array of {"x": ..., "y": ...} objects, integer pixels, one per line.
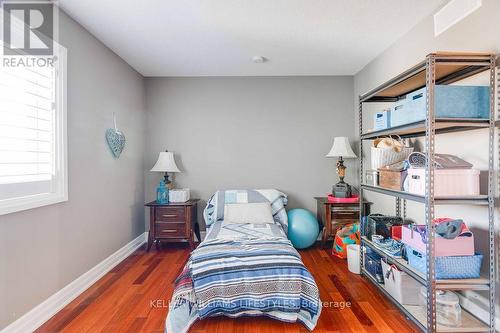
[
  {"x": 254, "y": 213},
  {"x": 244, "y": 270},
  {"x": 214, "y": 210}
]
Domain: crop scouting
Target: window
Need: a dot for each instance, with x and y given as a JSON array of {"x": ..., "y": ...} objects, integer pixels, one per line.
[{"x": 33, "y": 166}]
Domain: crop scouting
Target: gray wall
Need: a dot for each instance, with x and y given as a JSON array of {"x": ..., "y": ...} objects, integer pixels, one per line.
[
  {"x": 44, "y": 249},
  {"x": 247, "y": 132},
  {"x": 478, "y": 32},
  {"x": 226, "y": 132}
]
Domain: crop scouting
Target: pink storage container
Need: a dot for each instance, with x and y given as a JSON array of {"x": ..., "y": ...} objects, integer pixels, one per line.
[
  {"x": 447, "y": 182},
  {"x": 459, "y": 246}
]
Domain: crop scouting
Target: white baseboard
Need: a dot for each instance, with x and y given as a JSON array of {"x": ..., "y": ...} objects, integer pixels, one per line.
[{"x": 34, "y": 318}]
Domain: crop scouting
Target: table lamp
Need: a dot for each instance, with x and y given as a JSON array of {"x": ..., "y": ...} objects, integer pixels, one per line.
[
  {"x": 341, "y": 149},
  {"x": 166, "y": 163}
]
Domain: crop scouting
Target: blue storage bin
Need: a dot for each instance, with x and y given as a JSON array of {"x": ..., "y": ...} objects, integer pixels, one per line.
[
  {"x": 459, "y": 267},
  {"x": 450, "y": 102},
  {"x": 373, "y": 265}
]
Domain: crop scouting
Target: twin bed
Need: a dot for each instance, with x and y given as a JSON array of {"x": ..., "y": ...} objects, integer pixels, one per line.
[{"x": 246, "y": 266}]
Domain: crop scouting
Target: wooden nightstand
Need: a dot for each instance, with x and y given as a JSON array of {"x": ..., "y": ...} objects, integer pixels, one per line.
[
  {"x": 172, "y": 222},
  {"x": 335, "y": 215}
]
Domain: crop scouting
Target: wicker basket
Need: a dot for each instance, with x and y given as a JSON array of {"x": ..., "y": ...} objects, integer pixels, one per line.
[{"x": 381, "y": 157}]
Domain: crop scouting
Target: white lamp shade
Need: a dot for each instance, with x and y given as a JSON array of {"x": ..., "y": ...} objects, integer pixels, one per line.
[
  {"x": 341, "y": 147},
  {"x": 165, "y": 163}
]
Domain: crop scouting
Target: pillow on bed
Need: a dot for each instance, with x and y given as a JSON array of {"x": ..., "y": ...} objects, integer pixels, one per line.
[
  {"x": 255, "y": 213},
  {"x": 214, "y": 211}
]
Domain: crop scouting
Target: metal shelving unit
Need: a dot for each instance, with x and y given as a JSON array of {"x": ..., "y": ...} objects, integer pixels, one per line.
[
  {"x": 448, "y": 284},
  {"x": 458, "y": 200},
  {"x": 443, "y": 125},
  {"x": 417, "y": 314},
  {"x": 438, "y": 68}
]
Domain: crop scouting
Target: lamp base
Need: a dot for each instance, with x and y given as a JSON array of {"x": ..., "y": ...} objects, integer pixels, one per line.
[
  {"x": 342, "y": 190},
  {"x": 168, "y": 182}
]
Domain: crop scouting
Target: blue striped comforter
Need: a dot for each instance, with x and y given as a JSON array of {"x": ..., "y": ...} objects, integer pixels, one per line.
[
  {"x": 245, "y": 277},
  {"x": 252, "y": 275}
]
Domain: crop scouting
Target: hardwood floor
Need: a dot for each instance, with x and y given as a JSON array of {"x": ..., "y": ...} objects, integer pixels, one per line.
[{"x": 134, "y": 297}]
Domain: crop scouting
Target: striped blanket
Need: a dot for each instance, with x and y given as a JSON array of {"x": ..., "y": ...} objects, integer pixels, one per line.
[{"x": 244, "y": 277}]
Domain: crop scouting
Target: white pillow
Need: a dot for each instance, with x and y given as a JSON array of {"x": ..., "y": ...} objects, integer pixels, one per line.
[{"x": 255, "y": 213}]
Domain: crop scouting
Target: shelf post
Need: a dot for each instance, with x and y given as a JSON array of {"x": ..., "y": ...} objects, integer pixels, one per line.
[
  {"x": 430, "y": 72},
  {"x": 492, "y": 191},
  {"x": 361, "y": 206},
  {"x": 406, "y": 142}
]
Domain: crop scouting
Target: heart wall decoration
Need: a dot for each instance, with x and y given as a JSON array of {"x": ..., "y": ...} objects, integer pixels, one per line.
[{"x": 115, "y": 139}]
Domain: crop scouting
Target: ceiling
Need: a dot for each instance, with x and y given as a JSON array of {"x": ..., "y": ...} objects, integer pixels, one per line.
[{"x": 220, "y": 37}]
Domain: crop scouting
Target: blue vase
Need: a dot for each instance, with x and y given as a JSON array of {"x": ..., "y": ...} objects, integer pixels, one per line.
[{"x": 162, "y": 193}]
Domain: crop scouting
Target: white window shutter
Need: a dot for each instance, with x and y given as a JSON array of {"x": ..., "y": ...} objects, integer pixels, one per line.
[{"x": 32, "y": 136}]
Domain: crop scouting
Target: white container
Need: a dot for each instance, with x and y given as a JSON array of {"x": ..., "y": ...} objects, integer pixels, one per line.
[
  {"x": 382, "y": 120},
  {"x": 178, "y": 195},
  {"x": 448, "y": 310},
  {"x": 353, "y": 258},
  {"x": 447, "y": 182},
  {"x": 401, "y": 115},
  {"x": 371, "y": 177},
  {"x": 381, "y": 157},
  {"x": 400, "y": 285}
]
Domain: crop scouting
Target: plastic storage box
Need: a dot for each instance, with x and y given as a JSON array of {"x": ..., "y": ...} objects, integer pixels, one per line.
[
  {"x": 448, "y": 310},
  {"x": 447, "y": 182},
  {"x": 371, "y": 177},
  {"x": 462, "y": 267},
  {"x": 450, "y": 102},
  {"x": 373, "y": 265},
  {"x": 400, "y": 285},
  {"x": 179, "y": 195},
  {"x": 459, "y": 246}
]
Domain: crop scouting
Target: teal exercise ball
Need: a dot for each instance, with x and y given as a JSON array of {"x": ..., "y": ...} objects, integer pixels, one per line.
[{"x": 303, "y": 228}]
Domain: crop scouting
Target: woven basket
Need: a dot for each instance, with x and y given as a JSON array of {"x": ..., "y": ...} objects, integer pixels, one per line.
[
  {"x": 381, "y": 157},
  {"x": 454, "y": 267}
]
